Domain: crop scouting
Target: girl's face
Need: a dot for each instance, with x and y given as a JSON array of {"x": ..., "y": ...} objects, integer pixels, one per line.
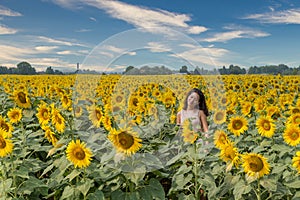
[{"x": 193, "y": 99}]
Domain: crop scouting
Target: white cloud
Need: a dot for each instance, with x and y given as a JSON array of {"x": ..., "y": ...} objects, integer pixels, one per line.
[
  {"x": 157, "y": 47},
  {"x": 291, "y": 16},
  {"x": 197, "y": 29},
  {"x": 45, "y": 48},
  {"x": 113, "y": 48},
  {"x": 203, "y": 55},
  {"x": 235, "y": 32},
  {"x": 132, "y": 53},
  {"x": 8, "y": 12},
  {"x": 5, "y": 30},
  {"x": 151, "y": 20}
]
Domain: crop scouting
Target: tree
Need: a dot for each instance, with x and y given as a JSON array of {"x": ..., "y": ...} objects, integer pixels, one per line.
[
  {"x": 184, "y": 69},
  {"x": 49, "y": 70},
  {"x": 128, "y": 69},
  {"x": 25, "y": 68}
]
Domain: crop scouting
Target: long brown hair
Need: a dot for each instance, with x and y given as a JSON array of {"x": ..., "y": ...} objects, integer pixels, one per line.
[{"x": 202, "y": 102}]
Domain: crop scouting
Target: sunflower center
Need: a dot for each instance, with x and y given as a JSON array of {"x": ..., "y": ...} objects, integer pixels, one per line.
[
  {"x": 294, "y": 135},
  {"x": 58, "y": 119},
  {"x": 79, "y": 153},
  {"x": 223, "y": 139},
  {"x": 119, "y": 99},
  {"x": 98, "y": 115},
  {"x": 297, "y": 120},
  {"x": 15, "y": 115},
  {"x": 45, "y": 114},
  {"x": 4, "y": 126},
  {"x": 295, "y": 110},
  {"x": 135, "y": 101},
  {"x": 22, "y": 97},
  {"x": 256, "y": 164},
  {"x": 219, "y": 116},
  {"x": 116, "y": 109},
  {"x": 126, "y": 140},
  {"x": 2, "y": 143},
  {"x": 266, "y": 125},
  {"x": 237, "y": 125}
]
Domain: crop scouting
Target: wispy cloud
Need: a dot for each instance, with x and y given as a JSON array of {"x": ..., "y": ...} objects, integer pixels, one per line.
[
  {"x": 234, "y": 32},
  {"x": 93, "y": 19},
  {"x": 58, "y": 41},
  {"x": 5, "y": 30},
  {"x": 140, "y": 17},
  {"x": 291, "y": 16},
  {"x": 8, "y": 12},
  {"x": 83, "y": 30}
]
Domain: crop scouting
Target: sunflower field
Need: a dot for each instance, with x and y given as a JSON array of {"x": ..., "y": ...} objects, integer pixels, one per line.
[{"x": 115, "y": 137}]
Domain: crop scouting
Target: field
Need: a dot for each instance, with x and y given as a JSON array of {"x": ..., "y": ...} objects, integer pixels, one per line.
[{"x": 115, "y": 137}]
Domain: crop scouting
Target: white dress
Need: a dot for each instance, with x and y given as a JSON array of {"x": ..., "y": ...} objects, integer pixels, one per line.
[{"x": 193, "y": 115}]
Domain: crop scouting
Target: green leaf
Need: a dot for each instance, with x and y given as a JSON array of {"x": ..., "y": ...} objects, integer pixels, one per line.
[
  {"x": 68, "y": 192},
  {"x": 98, "y": 195},
  {"x": 180, "y": 181},
  {"x": 294, "y": 184},
  {"x": 47, "y": 170},
  {"x": 296, "y": 196},
  {"x": 240, "y": 189},
  {"x": 6, "y": 185},
  {"x": 152, "y": 191},
  {"x": 85, "y": 186},
  {"x": 72, "y": 175},
  {"x": 269, "y": 184},
  {"x": 22, "y": 172}
]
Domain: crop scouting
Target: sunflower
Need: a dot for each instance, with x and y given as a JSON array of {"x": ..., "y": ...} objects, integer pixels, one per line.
[
  {"x": 58, "y": 120},
  {"x": 95, "y": 115},
  {"x": 219, "y": 116},
  {"x": 237, "y": 125},
  {"x": 230, "y": 154},
  {"x": 79, "y": 154},
  {"x": 189, "y": 136},
  {"x": 169, "y": 99},
  {"x": 246, "y": 108},
  {"x": 78, "y": 111},
  {"x": 6, "y": 126},
  {"x": 43, "y": 114},
  {"x": 296, "y": 161},
  {"x": 15, "y": 115},
  {"x": 22, "y": 99},
  {"x": 50, "y": 135},
  {"x": 65, "y": 101},
  {"x": 6, "y": 145},
  {"x": 291, "y": 135},
  {"x": 106, "y": 120},
  {"x": 294, "y": 119},
  {"x": 125, "y": 140},
  {"x": 220, "y": 139},
  {"x": 273, "y": 111},
  {"x": 255, "y": 165},
  {"x": 265, "y": 126}
]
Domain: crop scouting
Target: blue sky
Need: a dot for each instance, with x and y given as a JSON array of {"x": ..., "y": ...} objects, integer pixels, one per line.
[{"x": 107, "y": 35}]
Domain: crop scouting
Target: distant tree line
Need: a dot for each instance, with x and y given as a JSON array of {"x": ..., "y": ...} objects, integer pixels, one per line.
[
  {"x": 267, "y": 69},
  {"x": 24, "y": 68}
]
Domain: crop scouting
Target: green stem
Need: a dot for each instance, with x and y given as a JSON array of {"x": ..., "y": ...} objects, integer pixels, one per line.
[
  {"x": 258, "y": 190},
  {"x": 195, "y": 172}
]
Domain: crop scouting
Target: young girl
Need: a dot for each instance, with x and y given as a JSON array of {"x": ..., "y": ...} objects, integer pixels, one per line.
[{"x": 194, "y": 109}]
